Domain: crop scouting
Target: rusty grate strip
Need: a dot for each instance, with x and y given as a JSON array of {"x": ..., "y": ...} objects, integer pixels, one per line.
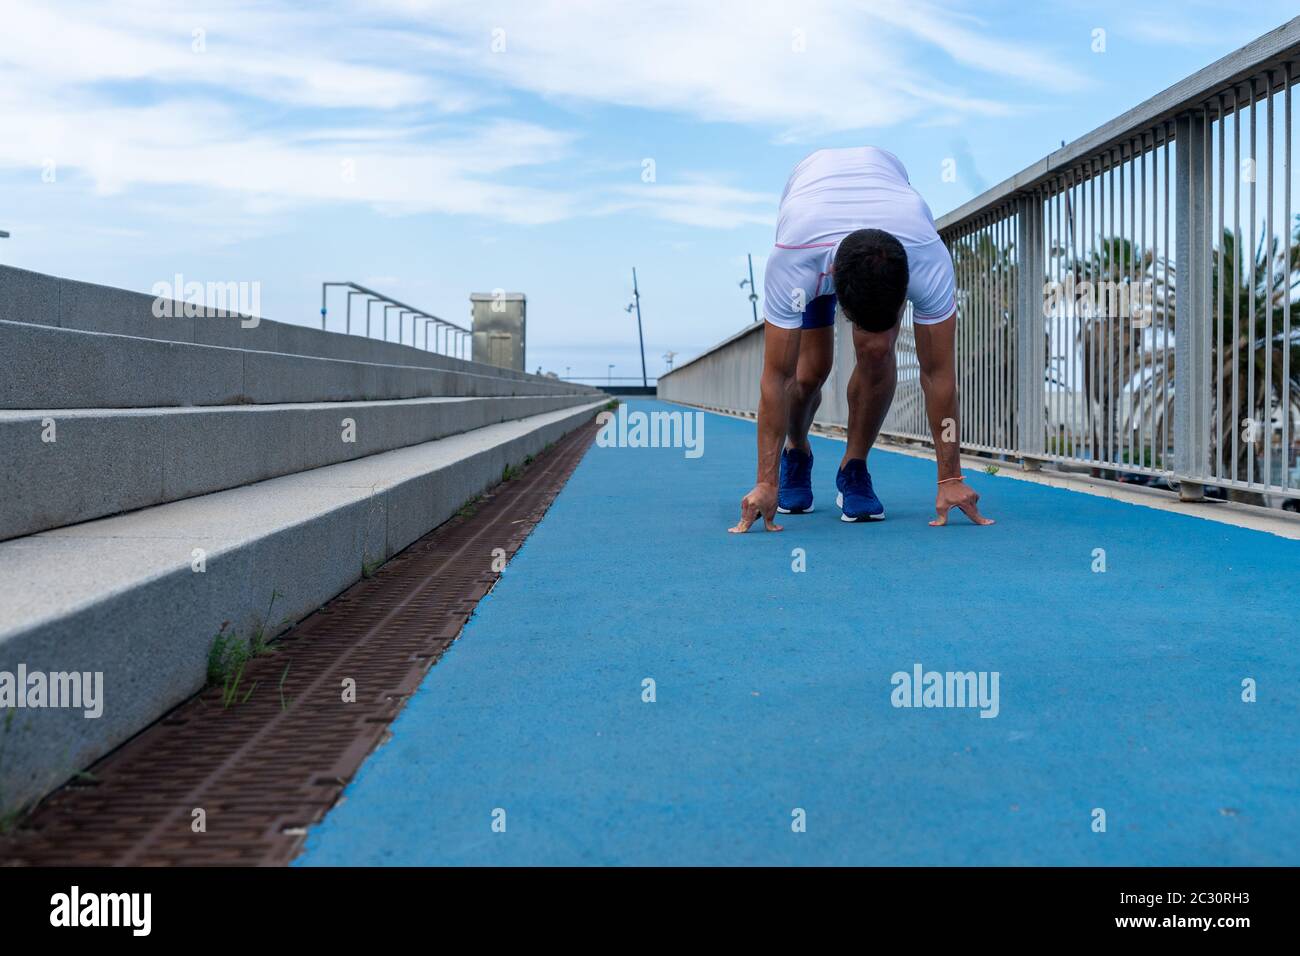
[{"x": 265, "y": 769}]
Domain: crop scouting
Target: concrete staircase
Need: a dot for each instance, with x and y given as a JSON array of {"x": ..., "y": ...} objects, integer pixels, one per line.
[{"x": 163, "y": 476}]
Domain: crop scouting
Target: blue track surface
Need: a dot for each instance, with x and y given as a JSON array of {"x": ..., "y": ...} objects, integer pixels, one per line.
[{"x": 1118, "y": 690}]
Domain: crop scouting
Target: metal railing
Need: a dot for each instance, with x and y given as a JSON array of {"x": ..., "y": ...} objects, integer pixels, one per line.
[
  {"x": 455, "y": 339},
  {"x": 1126, "y": 304},
  {"x": 607, "y": 379}
]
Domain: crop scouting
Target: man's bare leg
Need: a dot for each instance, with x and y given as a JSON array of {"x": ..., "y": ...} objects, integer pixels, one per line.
[
  {"x": 871, "y": 389},
  {"x": 804, "y": 395}
]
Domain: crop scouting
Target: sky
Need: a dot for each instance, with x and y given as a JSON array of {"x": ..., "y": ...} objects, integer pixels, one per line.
[{"x": 430, "y": 150}]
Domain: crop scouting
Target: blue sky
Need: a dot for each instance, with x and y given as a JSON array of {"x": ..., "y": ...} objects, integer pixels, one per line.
[{"x": 431, "y": 150}]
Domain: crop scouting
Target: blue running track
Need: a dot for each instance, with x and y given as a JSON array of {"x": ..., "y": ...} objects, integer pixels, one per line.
[{"x": 1119, "y": 690}]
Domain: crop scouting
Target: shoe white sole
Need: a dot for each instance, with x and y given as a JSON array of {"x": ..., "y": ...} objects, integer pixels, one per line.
[
  {"x": 787, "y": 511},
  {"x": 839, "y": 503}
]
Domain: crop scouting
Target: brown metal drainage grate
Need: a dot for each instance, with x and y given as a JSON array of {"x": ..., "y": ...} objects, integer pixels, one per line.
[{"x": 264, "y": 769}]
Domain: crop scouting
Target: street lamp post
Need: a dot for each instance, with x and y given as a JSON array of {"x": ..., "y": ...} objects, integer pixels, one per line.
[
  {"x": 611, "y": 374},
  {"x": 753, "y": 292},
  {"x": 636, "y": 304}
]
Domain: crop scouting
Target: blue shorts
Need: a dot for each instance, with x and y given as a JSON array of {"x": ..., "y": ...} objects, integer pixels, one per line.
[{"x": 820, "y": 313}]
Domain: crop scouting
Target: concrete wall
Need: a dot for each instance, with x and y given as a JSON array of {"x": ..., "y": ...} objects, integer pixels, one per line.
[{"x": 41, "y": 299}]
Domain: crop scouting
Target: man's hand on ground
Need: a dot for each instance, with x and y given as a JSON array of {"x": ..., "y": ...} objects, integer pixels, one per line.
[
  {"x": 955, "y": 494},
  {"x": 760, "y": 501}
]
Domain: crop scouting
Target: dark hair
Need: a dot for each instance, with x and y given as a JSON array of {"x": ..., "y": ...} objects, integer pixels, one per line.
[{"x": 871, "y": 278}]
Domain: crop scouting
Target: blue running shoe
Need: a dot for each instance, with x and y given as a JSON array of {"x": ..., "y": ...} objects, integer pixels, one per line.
[
  {"x": 794, "y": 495},
  {"x": 857, "y": 500}
]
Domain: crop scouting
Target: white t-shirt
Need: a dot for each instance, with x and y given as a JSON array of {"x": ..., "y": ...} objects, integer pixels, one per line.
[{"x": 835, "y": 192}]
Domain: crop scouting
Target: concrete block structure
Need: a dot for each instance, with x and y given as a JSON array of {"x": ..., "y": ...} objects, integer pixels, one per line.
[{"x": 166, "y": 475}]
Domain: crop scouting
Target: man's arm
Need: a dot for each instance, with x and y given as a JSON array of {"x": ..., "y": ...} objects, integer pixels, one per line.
[
  {"x": 936, "y": 352},
  {"x": 780, "y": 360}
]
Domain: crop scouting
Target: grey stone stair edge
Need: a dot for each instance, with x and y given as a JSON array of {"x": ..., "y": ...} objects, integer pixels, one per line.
[
  {"x": 121, "y": 596},
  {"x": 41, "y": 299},
  {"x": 50, "y": 367},
  {"x": 106, "y": 461}
]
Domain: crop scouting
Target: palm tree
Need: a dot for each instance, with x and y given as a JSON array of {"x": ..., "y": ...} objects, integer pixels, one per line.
[{"x": 1251, "y": 358}]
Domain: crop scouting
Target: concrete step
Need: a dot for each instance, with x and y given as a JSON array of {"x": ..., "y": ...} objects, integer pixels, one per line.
[
  {"x": 105, "y": 461},
  {"x": 39, "y": 299},
  {"x": 124, "y": 596},
  {"x": 49, "y": 367}
]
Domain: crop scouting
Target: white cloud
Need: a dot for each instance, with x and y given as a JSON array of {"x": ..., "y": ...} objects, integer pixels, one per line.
[
  {"x": 804, "y": 69},
  {"x": 697, "y": 203},
  {"x": 403, "y": 106}
]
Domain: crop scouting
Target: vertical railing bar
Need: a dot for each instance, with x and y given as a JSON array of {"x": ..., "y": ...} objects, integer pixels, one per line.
[
  {"x": 1170, "y": 255},
  {"x": 1006, "y": 335},
  {"x": 1103, "y": 341},
  {"x": 1086, "y": 359},
  {"x": 1140, "y": 406},
  {"x": 1088, "y": 344},
  {"x": 1237, "y": 262},
  {"x": 990, "y": 240},
  {"x": 1060, "y": 314},
  {"x": 986, "y": 283},
  {"x": 1266, "y": 426},
  {"x": 963, "y": 315},
  {"x": 972, "y": 325},
  {"x": 1126, "y": 321},
  {"x": 982, "y": 323},
  {"x": 1191, "y": 432},
  {"x": 995, "y": 330},
  {"x": 1061, "y": 308},
  {"x": 1117, "y": 241},
  {"x": 1216, "y": 356},
  {"x": 1071, "y": 316},
  {"x": 1286, "y": 311},
  {"x": 998, "y": 390},
  {"x": 1052, "y": 262},
  {"x": 1006, "y": 440},
  {"x": 963, "y": 287},
  {"x": 1205, "y": 323},
  {"x": 1250, "y": 319}
]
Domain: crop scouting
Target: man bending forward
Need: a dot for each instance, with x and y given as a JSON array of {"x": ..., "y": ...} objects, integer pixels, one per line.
[{"x": 852, "y": 231}]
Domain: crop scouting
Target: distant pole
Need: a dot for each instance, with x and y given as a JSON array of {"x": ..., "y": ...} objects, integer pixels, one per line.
[
  {"x": 753, "y": 293},
  {"x": 611, "y": 374},
  {"x": 636, "y": 298}
]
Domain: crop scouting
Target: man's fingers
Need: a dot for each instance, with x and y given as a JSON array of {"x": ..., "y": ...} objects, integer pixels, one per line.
[
  {"x": 972, "y": 511},
  {"x": 751, "y": 512},
  {"x": 942, "y": 518},
  {"x": 743, "y": 525},
  {"x": 748, "y": 515}
]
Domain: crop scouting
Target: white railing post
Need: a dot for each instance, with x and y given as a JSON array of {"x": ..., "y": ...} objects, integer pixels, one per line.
[
  {"x": 1031, "y": 331},
  {"x": 1192, "y": 308}
]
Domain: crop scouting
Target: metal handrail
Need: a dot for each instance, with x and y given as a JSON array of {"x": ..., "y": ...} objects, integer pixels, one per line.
[{"x": 388, "y": 302}]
